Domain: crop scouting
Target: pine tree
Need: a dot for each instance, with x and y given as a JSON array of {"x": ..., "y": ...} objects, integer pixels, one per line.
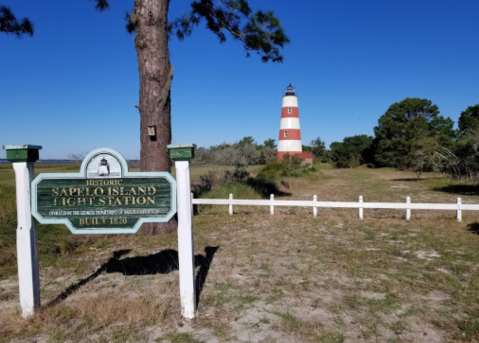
[
  {"x": 404, "y": 126},
  {"x": 258, "y": 32},
  {"x": 10, "y": 25}
]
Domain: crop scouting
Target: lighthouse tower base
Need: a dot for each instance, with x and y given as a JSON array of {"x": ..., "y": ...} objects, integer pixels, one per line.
[{"x": 307, "y": 158}]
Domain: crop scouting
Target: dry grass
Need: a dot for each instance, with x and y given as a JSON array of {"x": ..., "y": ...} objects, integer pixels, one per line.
[
  {"x": 283, "y": 278},
  {"x": 313, "y": 280},
  {"x": 88, "y": 319}
]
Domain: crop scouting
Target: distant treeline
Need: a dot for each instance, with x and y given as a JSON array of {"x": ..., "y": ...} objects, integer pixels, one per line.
[
  {"x": 2, "y": 161},
  {"x": 411, "y": 135}
]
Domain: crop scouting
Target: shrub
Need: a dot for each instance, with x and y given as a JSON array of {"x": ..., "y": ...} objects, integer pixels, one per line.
[
  {"x": 270, "y": 171},
  {"x": 290, "y": 166},
  {"x": 239, "y": 189},
  {"x": 219, "y": 184}
]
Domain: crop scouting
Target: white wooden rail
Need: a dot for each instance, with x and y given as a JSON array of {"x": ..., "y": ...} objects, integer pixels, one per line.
[{"x": 408, "y": 206}]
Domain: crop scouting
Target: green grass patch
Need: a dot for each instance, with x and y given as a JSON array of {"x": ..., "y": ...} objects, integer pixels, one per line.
[
  {"x": 289, "y": 319},
  {"x": 469, "y": 329},
  {"x": 331, "y": 337},
  {"x": 239, "y": 190}
]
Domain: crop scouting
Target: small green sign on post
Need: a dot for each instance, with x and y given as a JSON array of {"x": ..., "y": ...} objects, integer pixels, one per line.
[
  {"x": 22, "y": 153},
  {"x": 182, "y": 152},
  {"x": 104, "y": 197}
]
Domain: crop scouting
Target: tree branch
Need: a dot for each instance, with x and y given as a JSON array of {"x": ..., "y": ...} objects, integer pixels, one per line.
[{"x": 9, "y": 23}]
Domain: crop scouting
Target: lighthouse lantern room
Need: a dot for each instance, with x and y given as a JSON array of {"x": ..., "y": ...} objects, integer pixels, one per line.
[{"x": 289, "y": 130}]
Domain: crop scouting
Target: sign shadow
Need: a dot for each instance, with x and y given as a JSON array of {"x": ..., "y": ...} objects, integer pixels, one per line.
[{"x": 163, "y": 262}]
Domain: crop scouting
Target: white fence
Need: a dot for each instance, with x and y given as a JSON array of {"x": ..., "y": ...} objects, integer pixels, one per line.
[{"x": 360, "y": 205}]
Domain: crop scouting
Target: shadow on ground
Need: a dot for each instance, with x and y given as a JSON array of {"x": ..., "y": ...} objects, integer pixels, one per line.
[
  {"x": 459, "y": 189},
  {"x": 416, "y": 179},
  {"x": 163, "y": 262},
  {"x": 265, "y": 187},
  {"x": 474, "y": 228},
  {"x": 412, "y": 179}
]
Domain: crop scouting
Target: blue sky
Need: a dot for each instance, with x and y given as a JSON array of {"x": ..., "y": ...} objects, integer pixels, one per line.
[{"x": 71, "y": 87}]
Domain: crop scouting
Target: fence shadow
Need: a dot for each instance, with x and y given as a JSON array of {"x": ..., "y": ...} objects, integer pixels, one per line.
[
  {"x": 459, "y": 189},
  {"x": 163, "y": 262}
]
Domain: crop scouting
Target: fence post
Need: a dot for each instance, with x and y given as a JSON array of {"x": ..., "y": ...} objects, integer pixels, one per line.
[
  {"x": 360, "y": 208},
  {"x": 408, "y": 210},
  {"x": 315, "y": 208},
  {"x": 22, "y": 158},
  {"x": 271, "y": 207},
  {"x": 231, "y": 204},
  {"x": 192, "y": 197},
  {"x": 182, "y": 154},
  {"x": 459, "y": 211}
]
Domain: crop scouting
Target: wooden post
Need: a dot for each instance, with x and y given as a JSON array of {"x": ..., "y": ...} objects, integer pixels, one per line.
[
  {"x": 360, "y": 208},
  {"x": 271, "y": 208},
  {"x": 23, "y": 157},
  {"x": 459, "y": 211},
  {"x": 230, "y": 207},
  {"x": 181, "y": 155},
  {"x": 408, "y": 210},
  {"x": 315, "y": 208}
]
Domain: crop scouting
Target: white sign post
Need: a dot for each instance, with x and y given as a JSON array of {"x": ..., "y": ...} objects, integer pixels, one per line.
[
  {"x": 181, "y": 155},
  {"x": 23, "y": 157}
]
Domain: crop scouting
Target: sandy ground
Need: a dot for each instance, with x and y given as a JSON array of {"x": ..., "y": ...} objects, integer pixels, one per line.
[{"x": 283, "y": 278}]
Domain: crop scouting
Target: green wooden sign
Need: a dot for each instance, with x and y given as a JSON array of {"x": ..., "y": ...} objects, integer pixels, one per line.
[{"x": 104, "y": 197}]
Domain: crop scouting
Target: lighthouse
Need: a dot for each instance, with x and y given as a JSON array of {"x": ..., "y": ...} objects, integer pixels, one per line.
[{"x": 289, "y": 130}]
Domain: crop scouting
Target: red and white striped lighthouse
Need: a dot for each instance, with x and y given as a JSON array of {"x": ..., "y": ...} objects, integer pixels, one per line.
[{"x": 289, "y": 130}]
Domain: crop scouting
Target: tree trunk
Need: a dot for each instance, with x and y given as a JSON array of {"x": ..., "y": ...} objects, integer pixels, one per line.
[{"x": 156, "y": 73}]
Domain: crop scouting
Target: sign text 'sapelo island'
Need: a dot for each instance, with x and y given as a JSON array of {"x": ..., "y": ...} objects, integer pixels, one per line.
[{"x": 104, "y": 197}]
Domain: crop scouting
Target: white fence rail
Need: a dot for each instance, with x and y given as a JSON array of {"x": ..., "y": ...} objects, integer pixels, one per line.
[{"x": 360, "y": 205}]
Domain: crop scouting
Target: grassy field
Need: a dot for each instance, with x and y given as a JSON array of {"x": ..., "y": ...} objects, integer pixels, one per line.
[{"x": 261, "y": 278}]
